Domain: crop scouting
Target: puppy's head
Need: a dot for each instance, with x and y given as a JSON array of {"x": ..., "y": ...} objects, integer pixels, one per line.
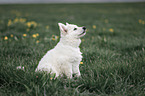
[{"x": 71, "y": 30}]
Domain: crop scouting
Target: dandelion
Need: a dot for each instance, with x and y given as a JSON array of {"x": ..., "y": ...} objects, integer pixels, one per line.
[
  {"x": 22, "y": 20},
  {"x": 111, "y": 30},
  {"x": 28, "y": 24},
  {"x": 32, "y": 23},
  {"x": 9, "y": 22},
  {"x": 143, "y": 22},
  {"x": 5, "y": 38},
  {"x": 37, "y": 41},
  {"x": 24, "y": 35},
  {"x": 37, "y": 34},
  {"x": 34, "y": 36},
  {"x": 81, "y": 62},
  {"x": 47, "y": 27},
  {"x": 94, "y": 26},
  {"x": 12, "y": 35},
  {"x": 139, "y": 20},
  {"x": 56, "y": 37},
  {"x": 16, "y": 20},
  {"x": 51, "y": 78},
  {"x": 53, "y": 39}
]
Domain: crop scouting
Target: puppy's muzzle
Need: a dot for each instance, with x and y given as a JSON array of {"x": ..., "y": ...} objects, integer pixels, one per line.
[
  {"x": 84, "y": 31},
  {"x": 84, "y": 27}
]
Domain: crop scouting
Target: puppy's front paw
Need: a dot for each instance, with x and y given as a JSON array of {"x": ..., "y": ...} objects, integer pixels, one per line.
[{"x": 78, "y": 75}]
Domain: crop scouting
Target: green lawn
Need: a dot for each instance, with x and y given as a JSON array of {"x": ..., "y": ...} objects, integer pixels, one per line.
[{"x": 113, "y": 49}]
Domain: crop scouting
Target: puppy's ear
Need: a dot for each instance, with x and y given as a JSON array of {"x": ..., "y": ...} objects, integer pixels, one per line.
[
  {"x": 67, "y": 23},
  {"x": 62, "y": 28}
]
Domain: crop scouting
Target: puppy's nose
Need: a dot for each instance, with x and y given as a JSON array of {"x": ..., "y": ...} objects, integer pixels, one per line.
[{"x": 84, "y": 27}]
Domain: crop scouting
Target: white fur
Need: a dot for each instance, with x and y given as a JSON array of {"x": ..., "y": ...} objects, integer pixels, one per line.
[{"x": 65, "y": 57}]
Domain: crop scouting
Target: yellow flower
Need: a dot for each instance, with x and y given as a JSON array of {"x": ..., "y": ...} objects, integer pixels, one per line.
[
  {"x": 53, "y": 39},
  {"x": 5, "y": 38},
  {"x": 9, "y": 22},
  {"x": 37, "y": 34},
  {"x": 12, "y": 35},
  {"x": 24, "y": 35},
  {"x": 32, "y": 23},
  {"x": 22, "y": 20},
  {"x": 81, "y": 62},
  {"x": 142, "y": 22},
  {"x": 16, "y": 20},
  {"x": 47, "y": 27},
  {"x": 94, "y": 26},
  {"x": 111, "y": 30},
  {"x": 56, "y": 37},
  {"x": 34, "y": 36},
  {"x": 37, "y": 41},
  {"x": 139, "y": 20},
  {"x": 28, "y": 24},
  {"x": 51, "y": 78}
]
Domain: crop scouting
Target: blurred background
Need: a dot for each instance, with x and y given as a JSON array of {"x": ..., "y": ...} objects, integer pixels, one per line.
[
  {"x": 65, "y": 1},
  {"x": 113, "y": 49}
]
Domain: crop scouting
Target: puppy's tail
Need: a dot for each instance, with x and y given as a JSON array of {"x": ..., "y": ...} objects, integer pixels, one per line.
[{"x": 20, "y": 68}]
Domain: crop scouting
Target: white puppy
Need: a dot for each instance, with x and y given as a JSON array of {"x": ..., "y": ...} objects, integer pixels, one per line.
[{"x": 65, "y": 57}]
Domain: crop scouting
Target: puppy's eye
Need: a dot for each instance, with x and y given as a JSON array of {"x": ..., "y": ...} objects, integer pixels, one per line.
[{"x": 75, "y": 28}]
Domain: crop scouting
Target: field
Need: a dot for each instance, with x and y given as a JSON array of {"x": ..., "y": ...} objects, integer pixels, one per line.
[{"x": 113, "y": 49}]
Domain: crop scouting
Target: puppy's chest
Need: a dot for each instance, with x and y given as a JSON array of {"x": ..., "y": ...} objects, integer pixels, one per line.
[
  {"x": 70, "y": 54},
  {"x": 75, "y": 57}
]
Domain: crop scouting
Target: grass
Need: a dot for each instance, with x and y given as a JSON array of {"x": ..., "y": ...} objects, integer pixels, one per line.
[{"x": 113, "y": 49}]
